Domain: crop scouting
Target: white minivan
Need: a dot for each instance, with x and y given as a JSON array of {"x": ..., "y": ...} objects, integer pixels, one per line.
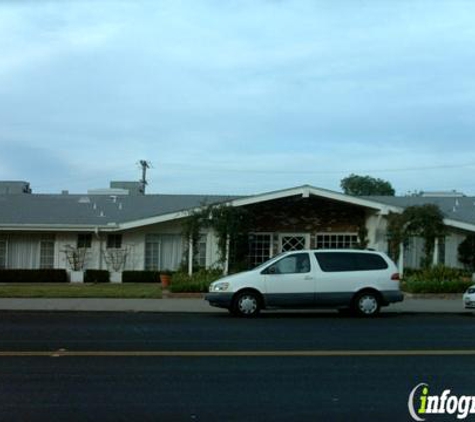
[{"x": 358, "y": 280}]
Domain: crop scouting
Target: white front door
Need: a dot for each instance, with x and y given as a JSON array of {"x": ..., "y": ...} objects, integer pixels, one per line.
[{"x": 294, "y": 241}]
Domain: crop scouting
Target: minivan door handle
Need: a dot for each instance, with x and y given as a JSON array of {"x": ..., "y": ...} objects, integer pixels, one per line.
[{"x": 308, "y": 277}]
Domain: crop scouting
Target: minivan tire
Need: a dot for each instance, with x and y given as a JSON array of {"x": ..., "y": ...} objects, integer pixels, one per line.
[
  {"x": 367, "y": 304},
  {"x": 246, "y": 304}
]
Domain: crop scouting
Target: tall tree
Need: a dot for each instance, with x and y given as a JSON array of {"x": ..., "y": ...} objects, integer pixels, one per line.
[{"x": 366, "y": 186}]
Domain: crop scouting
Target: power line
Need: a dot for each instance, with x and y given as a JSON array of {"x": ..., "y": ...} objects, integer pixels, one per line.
[{"x": 267, "y": 171}]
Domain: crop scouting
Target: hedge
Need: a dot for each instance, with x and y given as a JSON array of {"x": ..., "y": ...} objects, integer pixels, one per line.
[
  {"x": 140, "y": 277},
  {"x": 96, "y": 276},
  {"x": 197, "y": 283},
  {"x": 436, "y": 286},
  {"x": 33, "y": 276},
  {"x": 438, "y": 279}
]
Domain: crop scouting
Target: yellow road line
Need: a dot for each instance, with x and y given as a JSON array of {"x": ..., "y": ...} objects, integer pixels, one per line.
[{"x": 206, "y": 353}]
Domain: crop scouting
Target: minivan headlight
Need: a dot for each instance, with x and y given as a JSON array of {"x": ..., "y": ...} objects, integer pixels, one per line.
[{"x": 219, "y": 287}]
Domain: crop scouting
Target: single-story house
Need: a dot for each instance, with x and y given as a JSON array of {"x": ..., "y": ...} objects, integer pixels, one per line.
[{"x": 145, "y": 231}]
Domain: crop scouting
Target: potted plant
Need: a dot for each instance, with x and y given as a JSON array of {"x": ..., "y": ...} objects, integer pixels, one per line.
[
  {"x": 116, "y": 258},
  {"x": 76, "y": 258},
  {"x": 165, "y": 277}
]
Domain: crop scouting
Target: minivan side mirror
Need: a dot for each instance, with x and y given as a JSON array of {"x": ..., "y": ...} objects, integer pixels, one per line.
[{"x": 269, "y": 270}]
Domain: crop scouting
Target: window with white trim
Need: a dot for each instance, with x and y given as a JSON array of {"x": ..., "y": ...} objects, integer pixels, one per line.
[
  {"x": 84, "y": 240},
  {"x": 200, "y": 256},
  {"x": 260, "y": 245},
  {"x": 3, "y": 253},
  {"x": 163, "y": 251},
  {"x": 47, "y": 252},
  {"x": 114, "y": 241},
  {"x": 441, "y": 256},
  {"x": 336, "y": 240}
]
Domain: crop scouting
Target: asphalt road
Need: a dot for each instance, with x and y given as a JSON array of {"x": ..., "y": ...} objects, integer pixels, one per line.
[{"x": 200, "y": 367}]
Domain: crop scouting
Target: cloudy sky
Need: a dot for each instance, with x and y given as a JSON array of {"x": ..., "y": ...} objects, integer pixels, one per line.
[{"x": 237, "y": 96}]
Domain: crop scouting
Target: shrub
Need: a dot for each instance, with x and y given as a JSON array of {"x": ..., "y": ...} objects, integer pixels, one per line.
[
  {"x": 140, "y": 277},
  {"x": 96, "y": 276},
  {"x": 438, "y": 279},
  {"x": 197, "y": 283},
  {"x": 431, "y": 286},
  {"x": 33, "y": 276},
  {"x": 437, "y": 273}
]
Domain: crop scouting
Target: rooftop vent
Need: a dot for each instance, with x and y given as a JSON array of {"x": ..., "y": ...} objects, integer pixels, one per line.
[
  {"x": 14, "y": 187},
  {"x": 134, "y": 188},
  {"x": 109, "y": 192},
  {"x": 443, "y": 194}
]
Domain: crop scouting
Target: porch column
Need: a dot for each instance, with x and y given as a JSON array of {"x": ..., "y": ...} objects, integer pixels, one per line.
[
  {"x": 190, "y": 256},
  {"x": 226, "y": 261},
  {"x": 400, "y": 263},
  {"x": 435, "y": 255}
]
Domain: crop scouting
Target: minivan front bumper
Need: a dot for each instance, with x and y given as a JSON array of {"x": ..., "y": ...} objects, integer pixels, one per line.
[{"x": 220, "y": 300}]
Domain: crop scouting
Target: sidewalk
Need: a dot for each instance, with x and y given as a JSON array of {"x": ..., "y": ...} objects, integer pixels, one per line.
[{"x": 193, "y": 305}]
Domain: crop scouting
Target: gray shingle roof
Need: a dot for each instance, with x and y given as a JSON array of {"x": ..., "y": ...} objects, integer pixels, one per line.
[
  {"x": 101, "y": 210},
  {"x": 94, "y": 210},
  {"x": 455, "y": 208}
]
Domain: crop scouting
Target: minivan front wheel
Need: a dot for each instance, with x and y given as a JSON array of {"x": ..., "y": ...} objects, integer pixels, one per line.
[
  {"x": 367, "y": 304},
  {"x": 247, "y": 304}
]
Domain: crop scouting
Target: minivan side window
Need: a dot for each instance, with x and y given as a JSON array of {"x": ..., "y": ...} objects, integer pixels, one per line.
[
  {"x": 293, "y": 264},
  {"x": 345, "y": 261}
]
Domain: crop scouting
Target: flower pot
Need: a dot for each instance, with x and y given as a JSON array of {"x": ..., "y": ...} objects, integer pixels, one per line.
[
  {"x": 116, "y": 277},
  {"x": 76, "y": 276},
  {"x": 165, "y": 279}
]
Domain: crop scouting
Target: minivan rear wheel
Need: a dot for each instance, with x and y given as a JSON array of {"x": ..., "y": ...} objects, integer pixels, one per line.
[
  {"x": 367, "y": 304},
  {"x": 246, "y": 304}
]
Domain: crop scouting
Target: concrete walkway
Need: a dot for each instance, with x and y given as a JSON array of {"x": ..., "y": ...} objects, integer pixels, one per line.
[{"x": 410, "y": 305}]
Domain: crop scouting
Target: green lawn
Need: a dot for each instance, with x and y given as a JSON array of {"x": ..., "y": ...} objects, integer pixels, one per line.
[{"x": 45, "y": 290}]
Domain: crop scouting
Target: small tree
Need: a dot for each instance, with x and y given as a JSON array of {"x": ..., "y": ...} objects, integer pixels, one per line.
[
  {"x": 192, "y": 226},
  {"x": 116, "y": 258},
  {"x": 230, "y": 224},
  {"x": 76, "y": 257},
  {"x": 466, "y": 252},
  {"x": 366, "y": 186},
  {"x": 363, "y": 237},
  {"x": 425, "y": 221}
]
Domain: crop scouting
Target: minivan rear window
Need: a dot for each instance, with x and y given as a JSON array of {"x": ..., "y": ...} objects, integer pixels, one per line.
[{"x": 346, "y": 261}]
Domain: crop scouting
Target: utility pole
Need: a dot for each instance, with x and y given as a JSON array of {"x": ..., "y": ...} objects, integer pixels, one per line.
[{"x": 143, "y": 182}]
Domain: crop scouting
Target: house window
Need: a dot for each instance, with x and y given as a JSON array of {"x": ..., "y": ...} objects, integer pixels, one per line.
[
  {"x": 336, "y": 240},
  {"x": 3, "y": 253},
  {"x": 84, "y": 240},
  {"x": 200, "y": 256},
  {"x": 293, "y": 242},
  {"x": 114, "y": 241},
  {"x": 47, "y": 253},
  {"x": 441, "y": 257},
  {"x": 259, "y": 248},
  {"x": 163, "y": 252}
]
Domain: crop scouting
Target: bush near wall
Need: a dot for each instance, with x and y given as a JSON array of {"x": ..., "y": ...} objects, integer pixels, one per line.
[
  {"x": 438, "y": 279},
  {"x": 140, "y": 277},
  {"x": 96, "y": 276},
  {"x": 197, "y": 283},
  {"x": 33, "y": 276}
]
